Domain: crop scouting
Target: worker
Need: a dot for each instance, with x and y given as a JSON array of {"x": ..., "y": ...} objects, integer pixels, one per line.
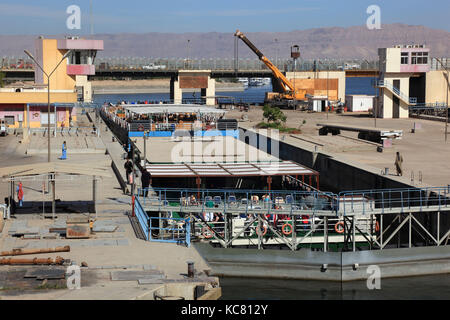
[
  {"x": 64, "y": 151},
  {"x": 145, "y": 180},
  {"x": 19, "y": 190},
  {"x": 399, "y": 164}
]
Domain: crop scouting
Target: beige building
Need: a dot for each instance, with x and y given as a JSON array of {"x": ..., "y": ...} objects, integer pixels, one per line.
[{"x": 407, "y": 81}]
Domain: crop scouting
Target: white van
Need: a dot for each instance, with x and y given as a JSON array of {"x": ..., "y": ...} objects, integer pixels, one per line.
[{"x": 3, "y": 127}]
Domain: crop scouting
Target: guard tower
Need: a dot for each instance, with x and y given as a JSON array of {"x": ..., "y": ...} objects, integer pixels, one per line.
[{"x": 80, "y": 63}]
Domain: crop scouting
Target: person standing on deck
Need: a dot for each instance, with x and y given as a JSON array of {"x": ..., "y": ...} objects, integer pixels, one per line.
[
  {"x": 64, "y": 151},
  {"x": 399, "y": 164},
  {"x": 19, "y": 190},
  {"x": 145, "y": 180}
]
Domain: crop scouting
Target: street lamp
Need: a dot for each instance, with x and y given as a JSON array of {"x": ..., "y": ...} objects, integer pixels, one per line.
[
  {"x": 295, "y": 54},
  {"x": 374, "y": 107},
  {"x": 48, "y": 91},
  {"x": 448, "y": 88}
]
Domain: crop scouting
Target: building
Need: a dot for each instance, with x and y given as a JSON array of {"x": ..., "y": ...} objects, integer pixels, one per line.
[
  {"x": 25, "y": 105},
  {"x": 359, "y": 102},
  {"x": 406, "y": 80}
]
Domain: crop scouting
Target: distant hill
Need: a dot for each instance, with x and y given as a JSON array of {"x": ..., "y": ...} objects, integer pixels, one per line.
[{"x": 336, "y": 42}]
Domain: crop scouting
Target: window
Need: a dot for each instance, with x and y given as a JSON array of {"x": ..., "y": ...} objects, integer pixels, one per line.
[
  {"x": 419, "y": 58},
  {"x": 404, "y": 58}
]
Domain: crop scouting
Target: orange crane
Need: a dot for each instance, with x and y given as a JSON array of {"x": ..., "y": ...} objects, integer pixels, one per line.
[{"x": 289, "y": 91}]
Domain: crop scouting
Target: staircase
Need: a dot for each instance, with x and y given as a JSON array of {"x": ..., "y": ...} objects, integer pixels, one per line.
[{"x": 406, "y": 99}]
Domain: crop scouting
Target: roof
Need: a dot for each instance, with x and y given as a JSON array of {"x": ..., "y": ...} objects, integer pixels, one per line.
[
  {"x": 239, "y": 169},
  {"x": 97, "y": 169},
  {"x": 171, "y": 108}
]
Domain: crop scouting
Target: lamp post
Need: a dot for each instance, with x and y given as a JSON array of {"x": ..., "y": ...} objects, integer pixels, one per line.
[
  {"x": 48, "y": 92},
  {"x": 448, "y": 88},
  {"x": 295, "y": 54}
]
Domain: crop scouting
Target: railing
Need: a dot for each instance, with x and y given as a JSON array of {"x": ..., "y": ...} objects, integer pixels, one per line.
[
  {"x": 244, "y": 201},
  {"x": 404, "y": 97},
  {"x": 171, "y": 230},
  {"x": 309, "y": 202},
  {"x": 142, "y": 217},
  {"x": 393, "y": 200}
]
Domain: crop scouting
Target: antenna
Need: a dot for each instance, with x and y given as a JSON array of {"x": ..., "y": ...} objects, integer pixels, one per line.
[{"x": 90, "y": 18}]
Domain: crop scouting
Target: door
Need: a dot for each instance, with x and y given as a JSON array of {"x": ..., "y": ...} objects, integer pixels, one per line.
[{"x": 396, "y": 101}]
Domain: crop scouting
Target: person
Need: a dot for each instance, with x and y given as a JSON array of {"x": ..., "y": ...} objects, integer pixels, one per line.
[
  {"x": 19, "y": 190},
  {"x": 399, "y": 164},
  {"x": 145, "y": 180},
  {"x": 128, "y": 170},
  {"x": 64, "y": 151}
]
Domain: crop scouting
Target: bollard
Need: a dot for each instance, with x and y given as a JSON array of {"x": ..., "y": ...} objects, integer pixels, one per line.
[{"x": 190, "y": 269}]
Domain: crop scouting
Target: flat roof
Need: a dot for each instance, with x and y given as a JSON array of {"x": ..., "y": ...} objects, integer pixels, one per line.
[
  {"x": 240, "y": 169},
  {"x": 171, "y": 108},
  {"x": 216, "y": 149}
]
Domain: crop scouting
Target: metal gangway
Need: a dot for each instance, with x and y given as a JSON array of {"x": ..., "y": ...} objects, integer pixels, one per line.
[{"x": 364, "y": 218}]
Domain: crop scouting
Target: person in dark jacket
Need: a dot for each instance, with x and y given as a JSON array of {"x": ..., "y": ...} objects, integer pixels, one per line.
[
  {"x": 128, "y": 170},
  {"x": 145, "y": 179}
]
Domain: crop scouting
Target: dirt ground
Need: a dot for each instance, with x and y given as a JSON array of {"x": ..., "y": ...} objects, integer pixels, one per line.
[{"x": 425, "y": 152}]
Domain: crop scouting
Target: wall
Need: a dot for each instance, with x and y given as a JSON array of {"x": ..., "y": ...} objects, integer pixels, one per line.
[{"x": 435, "y": 87}]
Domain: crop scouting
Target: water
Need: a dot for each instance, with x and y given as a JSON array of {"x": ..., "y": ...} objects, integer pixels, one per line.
[
  {"x": 253, "y": 95},
  {"x": 411, "y": 288}
]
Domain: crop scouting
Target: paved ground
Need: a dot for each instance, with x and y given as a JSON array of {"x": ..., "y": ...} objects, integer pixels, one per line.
[
  {"x": 423, "y": 152},
  {"x": 104, "y": 250}
]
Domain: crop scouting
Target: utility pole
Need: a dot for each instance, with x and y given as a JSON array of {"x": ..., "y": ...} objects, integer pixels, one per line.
[{"x": 446, "y": 109}]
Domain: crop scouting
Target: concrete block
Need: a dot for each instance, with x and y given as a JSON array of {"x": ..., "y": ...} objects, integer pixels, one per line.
[
  {"x": 131, "y": 275},
  {"x": 123, "y": 242},
  {"x": 148, "y": 267}
]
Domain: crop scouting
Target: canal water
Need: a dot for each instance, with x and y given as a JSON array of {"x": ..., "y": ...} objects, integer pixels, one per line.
[
  {"x": 253, "y": 95},
  {"x": 435, "y": 287},
  {"x": 424, "y": 287}
]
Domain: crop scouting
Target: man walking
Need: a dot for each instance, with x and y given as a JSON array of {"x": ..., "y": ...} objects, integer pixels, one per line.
[
  {"x": 145, "y": 179},
  {"x": 399, "y": 164},
  {"x": 128, "y": 170}
]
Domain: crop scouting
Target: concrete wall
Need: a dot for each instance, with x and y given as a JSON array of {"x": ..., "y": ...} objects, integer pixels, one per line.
[
  {"x": 436, "y": 83},
  {"x": 390, "y": 59}
]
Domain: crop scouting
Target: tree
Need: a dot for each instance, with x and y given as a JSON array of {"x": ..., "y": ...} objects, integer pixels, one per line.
[
  {"x": 273, "y": 114},
  {"x": 2, "y": 76}
]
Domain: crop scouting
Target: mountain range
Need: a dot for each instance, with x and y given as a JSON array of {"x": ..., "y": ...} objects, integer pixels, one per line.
[{"x": 335, "y": 42}]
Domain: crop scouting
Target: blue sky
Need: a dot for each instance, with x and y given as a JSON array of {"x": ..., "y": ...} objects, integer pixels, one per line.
[{"x": 179, "y": 16}]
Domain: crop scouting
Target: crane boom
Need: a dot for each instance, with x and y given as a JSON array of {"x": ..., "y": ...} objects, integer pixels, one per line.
[{"x": 277, "y": 73}]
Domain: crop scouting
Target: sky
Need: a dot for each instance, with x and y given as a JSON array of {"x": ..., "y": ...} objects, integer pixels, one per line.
[{"x": 183, "y": 16}]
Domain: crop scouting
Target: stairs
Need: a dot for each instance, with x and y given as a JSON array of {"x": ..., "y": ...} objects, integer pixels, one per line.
[{"x": 406, "y": 99}]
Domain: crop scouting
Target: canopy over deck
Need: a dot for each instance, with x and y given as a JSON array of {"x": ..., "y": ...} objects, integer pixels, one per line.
[
  {"x": 170, "y": 109},
  {"x": 240, "y": 169},
  {"x": 97, "y": 169}
]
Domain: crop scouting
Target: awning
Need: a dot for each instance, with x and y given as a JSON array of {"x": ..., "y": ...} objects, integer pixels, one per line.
[
  {"x": 97, "y": 169},
  {"x": 242, "y": 169},
  {"x": 171, "y": 108}
]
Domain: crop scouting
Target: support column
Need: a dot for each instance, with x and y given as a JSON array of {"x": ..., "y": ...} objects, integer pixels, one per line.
[
  {"x": 176, "y": 93},
  {"x": 325, "y": 235},
  {"x": 210, "y": 92}
]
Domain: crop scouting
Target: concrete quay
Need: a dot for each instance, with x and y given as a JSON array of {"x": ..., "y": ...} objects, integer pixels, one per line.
[{"x": 104, "y": 252}]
